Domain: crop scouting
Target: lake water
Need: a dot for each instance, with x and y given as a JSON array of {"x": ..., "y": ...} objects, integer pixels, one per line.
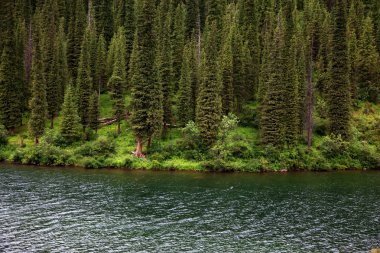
[{"x": 75, "y": 210}]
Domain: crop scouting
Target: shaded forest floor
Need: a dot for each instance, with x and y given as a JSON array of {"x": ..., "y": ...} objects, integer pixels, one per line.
[{"x": 240, "y": 152}]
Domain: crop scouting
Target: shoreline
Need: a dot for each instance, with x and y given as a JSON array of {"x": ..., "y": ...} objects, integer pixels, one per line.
[{"x": 177, "y": 170}]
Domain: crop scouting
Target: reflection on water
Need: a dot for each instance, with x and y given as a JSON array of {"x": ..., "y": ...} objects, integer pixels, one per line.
[{"x": 70, "y": 210}]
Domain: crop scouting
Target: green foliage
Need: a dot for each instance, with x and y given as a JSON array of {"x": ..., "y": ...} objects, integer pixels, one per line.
[
  {"x": 339, "y": 90},
  {"x": 209, "y": 104},
  {"x": 43, "y": 154},
  {"x": 273, "y": 107},
  {"x": 101, "y": 147},
  {"x": 37, "y": 104},
  {"x": 70, "y": 128},
  {"x": 146, "y": 104}
]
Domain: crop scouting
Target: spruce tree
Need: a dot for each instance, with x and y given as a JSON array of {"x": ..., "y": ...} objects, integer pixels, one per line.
[
  {"x": 146, "y": 108},
  {"x": 178, "y": 42},
  {"x": 70, "y": 128},
  {"x": 38, "y": 103},
  {"x": 129, "y": 30},
  {"x": 63, "y": 73},
  {"x": 84, "y": 77},
  {"x": 366, "y": 63},
  {"x": 10, "y": 66},
  {"x": 101, "y": 65},
  {"x": 339, "y": 90},
  {"x": 163, "y": 67},
  {"x": 273, "y": 109},
  {"x": 77, "y": 26},
  {"x": 185, "y": 101},
  {"x": 209, "y": 104},
  {"x": 226, "y": 67}
]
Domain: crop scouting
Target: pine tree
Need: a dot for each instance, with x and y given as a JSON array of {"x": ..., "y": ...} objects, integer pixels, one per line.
[
  {"x": 101, "y": 65},
  {"x": 93, "y": 111},
  {"x": 366, "y": 63},
  {"x": 339, "y": 90},
  {"x": 84, "y": 78},
  {"x": 226, "y": 67},
  {"x": 273, "y": 105},
  {"x": 146, "y": 107},
  {"x": 77, "y": 26},
  {"x": 103, "y": 15},
  {"x": 163, "y": 67},
  {"x": 63, "y": 74},
  {"x": 295, "y": 87},
  {"x": 51, "y": 57},
  {"x": 129, "y": 30},
  {"x": 209, "y": 104},
  {"x": 185, "y": 91},
  {"x": 118, "y": 14},
  {"x": 38, "y": 103},
  {"x": 178, "y": 42},
  {"x": 70, "y": 128},
  {"x": 10, "y": 79}
]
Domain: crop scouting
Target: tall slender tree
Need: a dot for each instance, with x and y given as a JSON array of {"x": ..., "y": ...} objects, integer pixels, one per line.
[
  {"x": 339, "y": 90},
  {"x": 209, "y": 104},
  {"x": 146, "y": 107}
]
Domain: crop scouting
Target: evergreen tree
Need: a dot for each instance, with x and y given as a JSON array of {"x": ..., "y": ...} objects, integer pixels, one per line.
[
  {"x": 38, "y": 103},
  {"x": 366, "y": 63},
  {"x": 209, "y": 104},
  {"x": 226, "y": 66},
  {"x": 103, "y": 16},
  {"x": 178, "y": 42},
  {"x": 185, "y": 92},
  {"x": 118, "y": 13},
  {"x": 84, "y": 78},
  {"x": 101, "y": 65},
  {"x": 339, "y": 92},
  {"x": 146, "y": 109},
  {"x": 273, "y": 105},
  {"x": 77, "y": 26},
  {"x": 51, "y": 57},
  {"x": 70, "y": 128},
  {"x": 63, "y": 74},
  {"x": 10, "y": 66},
  {"x": 163, "y": 67},
  {"x": 129, "y": 30}
]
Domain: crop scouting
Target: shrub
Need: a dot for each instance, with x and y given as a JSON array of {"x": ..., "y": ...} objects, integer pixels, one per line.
[
  {"x": 52, "y": 137},
  {"x": 333, "y": 146},
  {"x": 190, "y": 137},
  {"x": 43, "y": 154},
  {"x": 101, "y": 147}
]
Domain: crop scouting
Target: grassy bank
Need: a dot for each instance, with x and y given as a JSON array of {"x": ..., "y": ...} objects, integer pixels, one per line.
[{"x": 238, "y": 148}]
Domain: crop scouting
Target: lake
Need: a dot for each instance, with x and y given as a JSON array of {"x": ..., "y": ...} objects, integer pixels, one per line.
[{"x": 77, "y": 210}]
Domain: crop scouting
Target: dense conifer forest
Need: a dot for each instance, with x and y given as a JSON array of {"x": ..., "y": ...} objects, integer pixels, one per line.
[{"x": 247, "y": 85}]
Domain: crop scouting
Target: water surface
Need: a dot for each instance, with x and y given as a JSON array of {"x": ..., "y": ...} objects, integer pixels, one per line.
[{"x": 75, "y": 210}]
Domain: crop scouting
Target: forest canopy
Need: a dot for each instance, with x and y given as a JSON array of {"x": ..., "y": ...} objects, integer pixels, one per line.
[{"x": 214, "y": 82}]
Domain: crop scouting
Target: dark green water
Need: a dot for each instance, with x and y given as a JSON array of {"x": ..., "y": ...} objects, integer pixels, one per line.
[{"x": 71, "y": 210}]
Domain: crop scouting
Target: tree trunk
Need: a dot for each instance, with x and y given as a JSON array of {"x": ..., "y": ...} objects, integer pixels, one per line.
[
  {"x": 138, "y": 152},
  {"x": 118, "y": 127},
  {"x": 52, "y": 123},
  {"x": 36, "y": 141}
]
